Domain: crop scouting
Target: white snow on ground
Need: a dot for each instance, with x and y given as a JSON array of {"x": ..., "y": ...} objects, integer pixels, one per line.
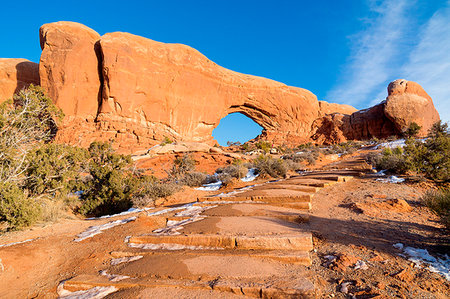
[
  {"x": 173, "y": 226},
  {"x": 98, "y": 229},
  {"x": 113, "y": 277},
  {"x": 94, "y": 293},
  {"x": 161, "y": 212},
  {"x": 16, "y": 243},
  {"x": 361, "y": 265},
  {"x": 380, "y": 173},
  {"x": 392, "y": 179},
  {"x": 210, "y": 187},
  {"x": 237, "y": 191},
  {"x": 171, "y": 246},
  {"x": 125, "y": 259},
  {"x": 422, "y": 257},
  {"x": 130, "y": 211},
  {"x": 391, "y": 144},
  {"x": 251, "y": 175}
]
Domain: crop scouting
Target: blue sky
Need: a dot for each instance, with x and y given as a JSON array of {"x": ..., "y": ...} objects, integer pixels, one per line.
[{"x": 343, "y": 51}]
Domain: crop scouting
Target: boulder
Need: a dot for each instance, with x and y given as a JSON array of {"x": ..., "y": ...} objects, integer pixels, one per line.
[
  {"x": 16, "y": 74},
  {"x": 407, "y": 102}
]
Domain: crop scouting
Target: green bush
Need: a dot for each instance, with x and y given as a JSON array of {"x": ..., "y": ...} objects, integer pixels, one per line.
[
  {"x": 110, "y": 187},
  {"x": 166, "y": 140},
  {"x": 439, "y": 203},
  {"x": 16, "y": 208},
  {"x": 265, "y": 146},
  {"x": 55, "y": 169},
  {"x": 430, "y": 158},
  {"x": 25, "y": 123}
]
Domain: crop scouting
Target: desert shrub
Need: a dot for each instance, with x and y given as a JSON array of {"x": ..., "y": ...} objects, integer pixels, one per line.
[
  {"x": 309, "y": 156},
  {"x": 430, "y": 158},
  {"x": 268, "y": 166},
  {"x": 54, "y": 169},
  {"x": 109, "y": 187},
  {"x": 150, "y": 189},
  {"x": 181, "y": 166},
  {"x": 237, "y": 170},
  {"x": 265, "y": 146},
  {"x": 438, "y": 201},
  {"x": 194, "y": 179},
  {"x": 412, "y": 130},
  {"x": 25, "y": 123},
  {"x": 166, "y": 140},
  {"x": 16, "y": 208}
]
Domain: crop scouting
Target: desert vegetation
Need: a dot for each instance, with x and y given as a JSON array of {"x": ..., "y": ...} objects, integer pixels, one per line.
[
  {"x": 40, "y": 179},
  {"x": 429, "y": 158}
]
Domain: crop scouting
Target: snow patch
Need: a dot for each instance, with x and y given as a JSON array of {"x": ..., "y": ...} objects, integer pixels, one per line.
[
  {"x": 129, "y": 211},
  {"x": 173, "y": 226},
  {"x": 398, "y": 246},
  {"x": 125, "y": 259},
  {"x": 391, "y": 144},
  {"x": 422, "y": 257},
  {"x": 113, "y": 277},
  {"x": 93, "y": 293},
  {"x": 380, "y": 173},
  {"x": 250, "y": 176},
  {"x": 171, "y": 246},
  {"x": 168, "y": 210},
  {"x": 98, "y": 229},
  {"x": 16, "y": 243},
  {"x": 392, "y": 179},
  {"x": 210, "y": 187},
  {"x": 361, "y": 265}
]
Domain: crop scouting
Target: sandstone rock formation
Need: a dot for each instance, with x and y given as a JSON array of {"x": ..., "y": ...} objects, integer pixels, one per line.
[
  {"x": 407, "y": 102},
  {"x": 136, "y": 92},
  {"x": 329, "y": 108},
  {"x": 162, "y": 89},
  {"x": 16, "y": 74},
  {"x": 68, "y": 68}
]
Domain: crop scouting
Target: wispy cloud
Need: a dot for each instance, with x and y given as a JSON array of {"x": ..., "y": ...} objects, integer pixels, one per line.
[
  {"x": 373, "y": 52},
  {"x": 429, "y": 61}
]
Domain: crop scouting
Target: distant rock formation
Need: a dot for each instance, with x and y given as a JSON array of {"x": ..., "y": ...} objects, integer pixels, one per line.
[
  {"x": 136, "y": 91},
  {"x": 16, "y": 74},
  {"x": 406, "y": 102}
]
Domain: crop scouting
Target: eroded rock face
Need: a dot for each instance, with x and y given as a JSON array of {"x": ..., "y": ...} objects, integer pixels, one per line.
[
  {"x": 137, "y": 91},
  {"x": 329, "y": 108},
  {"x": 154, "y": 90},
  {"x": 16, "y": 74},
  {"x": 407, "y": 102},
  {"x": 68, "y": 68}
]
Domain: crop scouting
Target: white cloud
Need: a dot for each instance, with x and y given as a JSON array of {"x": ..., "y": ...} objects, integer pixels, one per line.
[
  {"x": 429, "y": 61},
  {"x": 374, "y": 52}
]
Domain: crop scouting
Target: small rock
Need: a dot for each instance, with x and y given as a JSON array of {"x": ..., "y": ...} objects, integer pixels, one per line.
[
  {"x": 404, "y": 275},
  {"x": 380, "y": 285}
]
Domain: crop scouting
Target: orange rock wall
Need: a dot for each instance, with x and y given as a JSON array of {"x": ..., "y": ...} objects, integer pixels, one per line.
[{"x": 16, "y": 74}]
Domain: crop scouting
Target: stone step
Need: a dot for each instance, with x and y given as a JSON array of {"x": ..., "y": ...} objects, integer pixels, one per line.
[
  {"x": 288, "y": 257},
  {"x": 301, "y": 241},
  {"x": 298, "y": 287},
  {"x": 272, "y": 194},
  {"x": 287, "y": 186},
  {"x": 252, "y": 209},
  {"x": 305, "y": 181}
]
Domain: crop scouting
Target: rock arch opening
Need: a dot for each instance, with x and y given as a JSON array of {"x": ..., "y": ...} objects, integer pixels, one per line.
[{"x": 236, "y": 127}]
